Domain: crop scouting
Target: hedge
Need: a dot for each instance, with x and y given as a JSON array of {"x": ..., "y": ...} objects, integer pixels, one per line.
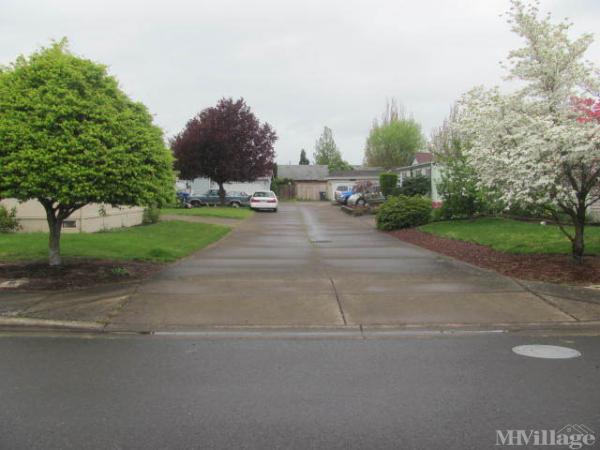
[{"x": 404, "y": 212}]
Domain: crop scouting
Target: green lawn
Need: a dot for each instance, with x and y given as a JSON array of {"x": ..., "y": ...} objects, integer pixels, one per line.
[
  {"x": 161, "y": 242},
  {"x": 225, "y": 212},
  {"x": 513, "y": 236}
]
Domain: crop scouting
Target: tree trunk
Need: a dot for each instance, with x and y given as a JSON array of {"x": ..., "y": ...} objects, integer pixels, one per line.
[
  {"x": 221, "y": 194},
  {"x": 55, "y": 227},
  {"x": 578, "y": 243}
]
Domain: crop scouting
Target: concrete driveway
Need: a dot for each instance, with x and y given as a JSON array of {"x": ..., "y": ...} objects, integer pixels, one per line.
[{"x": 311, "y": 265}]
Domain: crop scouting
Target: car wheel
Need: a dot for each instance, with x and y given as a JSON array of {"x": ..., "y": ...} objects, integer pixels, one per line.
[
  {"x": 275, "y": 210},
  {"x": 195, "y": 204},
  {"x": 360, "y": 202},
  {"x": 234, "y": 204}
]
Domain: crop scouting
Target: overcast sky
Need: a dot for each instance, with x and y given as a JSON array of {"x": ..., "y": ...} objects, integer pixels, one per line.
[{"x": 300, "y": 65}]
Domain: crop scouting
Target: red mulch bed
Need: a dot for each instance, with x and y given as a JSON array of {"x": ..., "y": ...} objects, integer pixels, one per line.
[
  {"x": 75, "y": 274},
  {"x": 538, "y": 267}
]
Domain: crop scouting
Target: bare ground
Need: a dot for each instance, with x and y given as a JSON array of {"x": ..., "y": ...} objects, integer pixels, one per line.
[{"x": 75, "y": 273}]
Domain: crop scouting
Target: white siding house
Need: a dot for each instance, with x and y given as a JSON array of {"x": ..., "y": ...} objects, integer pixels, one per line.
[
  {"x": 90, "y": 218},
  {"x": 201, "y": 185},
  {"x": 350, "y": 178}
]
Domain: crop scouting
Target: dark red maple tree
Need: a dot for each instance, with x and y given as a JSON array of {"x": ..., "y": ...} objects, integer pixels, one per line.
[{"x": 225, "y": 143}]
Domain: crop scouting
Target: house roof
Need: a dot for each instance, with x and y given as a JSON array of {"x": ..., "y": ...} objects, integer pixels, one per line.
[
  {"x": 373, "y": 172},
  {"x": 423, "y": 157},
  {"x": 300, "y": 172}
]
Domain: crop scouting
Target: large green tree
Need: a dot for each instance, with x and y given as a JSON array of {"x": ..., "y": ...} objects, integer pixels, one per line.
[
  {"x": 69, "y": 136},
  {"x": 327, "y": 152},
  {"x": 394, "y": 141}
]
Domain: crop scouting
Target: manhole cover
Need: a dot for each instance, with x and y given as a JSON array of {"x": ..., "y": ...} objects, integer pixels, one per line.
[{"x": 546, "y": 351}]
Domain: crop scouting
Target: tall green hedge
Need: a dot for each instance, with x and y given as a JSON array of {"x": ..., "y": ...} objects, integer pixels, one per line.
[
  {"x": 417, "y": 185},
  {"x": 403, "y": 212},
  {"x": 387, "y": 183}
]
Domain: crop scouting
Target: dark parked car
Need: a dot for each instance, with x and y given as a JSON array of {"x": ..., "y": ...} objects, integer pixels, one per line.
[{"x": 211, "y": 198}]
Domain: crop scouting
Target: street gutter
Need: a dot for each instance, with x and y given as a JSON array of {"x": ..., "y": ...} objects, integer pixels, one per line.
[{"x": 22, "y": 324}]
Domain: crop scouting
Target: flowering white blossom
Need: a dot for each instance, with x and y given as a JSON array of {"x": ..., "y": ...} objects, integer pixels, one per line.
[{"x": 537, "y": 145}]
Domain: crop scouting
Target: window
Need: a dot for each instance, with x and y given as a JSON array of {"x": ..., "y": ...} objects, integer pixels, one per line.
[
  {"x": 264, "y": 194},
  {"x": 70, "y": 224}
]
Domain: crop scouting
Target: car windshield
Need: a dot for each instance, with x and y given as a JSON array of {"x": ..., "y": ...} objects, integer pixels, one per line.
[{"x": 263, "y": 194}]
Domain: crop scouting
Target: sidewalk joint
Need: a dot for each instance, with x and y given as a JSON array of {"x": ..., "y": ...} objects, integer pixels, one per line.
[
  {"x": 339, "y": 302},
  {"x": 545, "y": 300}
]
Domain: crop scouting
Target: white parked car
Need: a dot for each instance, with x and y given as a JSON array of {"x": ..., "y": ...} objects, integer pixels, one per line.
[{"x": 264, "y": 200}]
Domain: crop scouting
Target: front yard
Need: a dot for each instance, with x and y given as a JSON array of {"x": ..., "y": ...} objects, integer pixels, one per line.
[
  {"x": 160, "y": 242},
  {"x": 105, "y": 257},
  {"x": 225, "y": 212},
  {"x": 523, "y": 250},
  {"x": 513, "y": 236}
]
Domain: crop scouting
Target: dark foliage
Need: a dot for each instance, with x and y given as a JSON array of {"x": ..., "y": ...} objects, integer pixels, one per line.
[
  {"x": 417, "y": 185},
  {"x": 303, "y": 159},
  {"x": 277, "y": 183},
  {"x": 225, "y": 143},
  {"x": 388, "y": 182},
  {"x": 8, "y": 220}
]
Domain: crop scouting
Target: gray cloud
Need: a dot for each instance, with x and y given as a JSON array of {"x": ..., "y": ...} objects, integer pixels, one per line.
[{"x": 299, "y": 64}]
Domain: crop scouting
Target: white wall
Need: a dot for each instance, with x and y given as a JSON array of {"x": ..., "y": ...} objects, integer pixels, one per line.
[
  {"x": 201, "y": 185},
  {"x": 90, "y": 218},
  {"x": 247, "y": 187},
  {"x": 332, "y": 185}
]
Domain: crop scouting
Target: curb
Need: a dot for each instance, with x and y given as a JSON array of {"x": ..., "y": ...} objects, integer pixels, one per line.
[{"x": 21, "y": 323}]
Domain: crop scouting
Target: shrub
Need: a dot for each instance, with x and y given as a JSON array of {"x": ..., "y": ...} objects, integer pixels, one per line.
[
  {"x": 437, "y": 214},
  {"x": 462, "y": 197},
  {"x": 8, "y": 220},
  {"x": 277, "y": 183},
  {"x": 388, "y": 182},
  {"x": 417, "y": 185},
  {"x": 404, "y": 212},
  {"x": 151, "y": 215}
]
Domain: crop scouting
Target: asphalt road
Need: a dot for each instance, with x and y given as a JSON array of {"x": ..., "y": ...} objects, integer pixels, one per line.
[{"x": 151, "y": 392}]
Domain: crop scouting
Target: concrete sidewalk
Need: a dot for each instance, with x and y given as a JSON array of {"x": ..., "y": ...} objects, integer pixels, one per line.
[{"x": 309, "y": 265}]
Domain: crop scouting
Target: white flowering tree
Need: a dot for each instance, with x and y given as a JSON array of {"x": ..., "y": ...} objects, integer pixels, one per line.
[{"x": 540, "y": 143}]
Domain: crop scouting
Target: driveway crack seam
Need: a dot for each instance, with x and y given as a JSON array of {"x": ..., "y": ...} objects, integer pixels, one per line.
[
  {"x": 117, "y": 310},
  {"x": 339, "y": 302},
  {"x": 545, "y": 300}
]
